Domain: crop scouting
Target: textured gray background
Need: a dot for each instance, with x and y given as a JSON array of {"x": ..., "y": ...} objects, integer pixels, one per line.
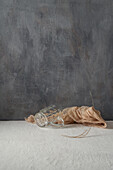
[{"x": 55, "y": 52}]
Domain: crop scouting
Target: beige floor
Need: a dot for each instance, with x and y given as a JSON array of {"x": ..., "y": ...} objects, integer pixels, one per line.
[{"x": 24, "y": 146}]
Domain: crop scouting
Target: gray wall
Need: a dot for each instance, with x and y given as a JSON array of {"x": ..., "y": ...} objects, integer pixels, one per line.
[{"x": 55, "y": 52}]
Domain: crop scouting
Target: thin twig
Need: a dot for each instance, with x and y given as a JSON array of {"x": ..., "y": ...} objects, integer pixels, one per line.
[
  {"x": 91, "y": 98},
  {"x": 79, "y": 136}
]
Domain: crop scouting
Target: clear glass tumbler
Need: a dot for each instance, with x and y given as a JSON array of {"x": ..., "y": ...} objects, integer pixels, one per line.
[{"x": 49, "y": 116}]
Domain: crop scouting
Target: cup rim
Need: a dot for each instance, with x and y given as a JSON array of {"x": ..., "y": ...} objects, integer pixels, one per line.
[{"x": 46, "y": 120}]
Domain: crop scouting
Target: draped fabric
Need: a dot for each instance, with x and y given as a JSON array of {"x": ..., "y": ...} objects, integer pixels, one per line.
[{"x": 85, "y": 115}]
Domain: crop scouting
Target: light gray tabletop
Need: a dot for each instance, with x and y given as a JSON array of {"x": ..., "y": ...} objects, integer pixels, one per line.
[{"x": 25, "y": 146}]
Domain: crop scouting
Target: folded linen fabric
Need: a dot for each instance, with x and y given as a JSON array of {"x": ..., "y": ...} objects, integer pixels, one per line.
[{"x": 85, "y": 115}]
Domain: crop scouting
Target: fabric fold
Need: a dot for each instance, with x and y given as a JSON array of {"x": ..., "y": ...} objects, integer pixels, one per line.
[{"x": 85, "y": 115}]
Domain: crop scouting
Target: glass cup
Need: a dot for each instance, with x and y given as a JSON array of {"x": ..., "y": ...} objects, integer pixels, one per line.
[{"x": 49, "y": 116}]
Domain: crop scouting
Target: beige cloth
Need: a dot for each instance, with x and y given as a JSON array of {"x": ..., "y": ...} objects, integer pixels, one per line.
[{"x": 85, "y": 115}]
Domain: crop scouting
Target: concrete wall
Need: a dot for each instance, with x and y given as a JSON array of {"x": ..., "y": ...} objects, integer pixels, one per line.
[{"x": 55, "y": 52}]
